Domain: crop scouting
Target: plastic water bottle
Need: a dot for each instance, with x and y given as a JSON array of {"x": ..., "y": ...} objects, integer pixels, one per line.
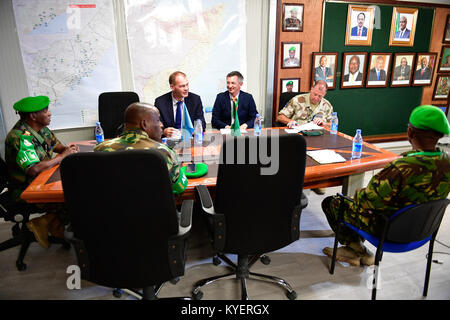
[
  {"x": 198, "y": 132},
  {"x": 257, "y": 125},
  {"x": 334, "y": 123},
  {"x": 357, "y": 145},
  {"x": 99, "y": 136}
]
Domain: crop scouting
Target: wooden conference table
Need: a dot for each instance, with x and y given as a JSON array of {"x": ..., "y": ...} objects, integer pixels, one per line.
[{"x": 47, "y": 186}]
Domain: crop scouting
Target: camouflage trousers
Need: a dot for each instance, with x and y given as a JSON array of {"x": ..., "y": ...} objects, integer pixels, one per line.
[{"x": 330, "y": 206}]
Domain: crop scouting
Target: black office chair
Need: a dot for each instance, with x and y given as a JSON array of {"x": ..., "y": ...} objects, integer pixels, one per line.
[
  {"x": 126, "y": 230},
  {"x": 254, "y": 211},
  {"x": 111, "y": 109},
  {"x": 407, "y": 229},
  {"x": 19, "y": 214}
]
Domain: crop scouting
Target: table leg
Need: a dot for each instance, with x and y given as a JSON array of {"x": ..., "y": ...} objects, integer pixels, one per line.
[{"x": 352, "y": 183}]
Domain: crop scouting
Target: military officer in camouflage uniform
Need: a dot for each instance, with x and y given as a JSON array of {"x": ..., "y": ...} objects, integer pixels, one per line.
[
  {"x": 419, "y": 176},
  {"x": 307, "y": 107},
  {"x": 29, "y": 149},
  {"x": 293, "y": 22},
  {"x": 143, "y": 130}
]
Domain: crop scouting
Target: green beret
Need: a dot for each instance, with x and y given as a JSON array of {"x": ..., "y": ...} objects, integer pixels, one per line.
[
  {"x": 429, "y": 118},
  {"x": 32, "y": 104},
  {"x": 289, "y": 83},
  {"x": 292, "y": 49},
  {"x": 294, "y": 9}
]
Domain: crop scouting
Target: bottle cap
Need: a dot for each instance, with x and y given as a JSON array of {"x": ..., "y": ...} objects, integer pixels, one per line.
[
  {"x": 97, "y": 123},
  {"x": 334, "y": 113},
  {"x": 358, "y": 130}
]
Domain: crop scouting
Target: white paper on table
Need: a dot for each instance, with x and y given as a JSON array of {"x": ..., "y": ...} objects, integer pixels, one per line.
[{"x": 325, "y": 156}]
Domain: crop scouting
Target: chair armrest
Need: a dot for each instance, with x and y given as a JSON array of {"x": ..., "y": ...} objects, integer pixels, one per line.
[
  {"x": 206, "y": 202},
  {"x": 186, "y": 217}
]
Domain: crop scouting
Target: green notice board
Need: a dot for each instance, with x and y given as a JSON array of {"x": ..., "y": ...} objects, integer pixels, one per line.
[{"x": 373, "y": 110}]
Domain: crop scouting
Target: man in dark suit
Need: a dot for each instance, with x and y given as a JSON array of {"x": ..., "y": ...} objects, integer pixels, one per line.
[
  {"x": 424, "y": 73},
  {"x": 322, "y": 72},
  {"x": 170, "y": 105},
  {"x": 378, "y": 73},
  {"x": 222, "y": 110},
  {"x": 359, "y": 30},
  {"x": 403, "y": 71}
]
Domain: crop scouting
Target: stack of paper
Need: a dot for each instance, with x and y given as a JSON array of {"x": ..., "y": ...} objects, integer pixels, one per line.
[{"x": 325, "y": 156}]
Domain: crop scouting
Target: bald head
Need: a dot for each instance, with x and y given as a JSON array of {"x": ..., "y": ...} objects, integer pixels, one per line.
[
  {"x": 318, "y": 91},
  {"x": 145, "y": 117}
]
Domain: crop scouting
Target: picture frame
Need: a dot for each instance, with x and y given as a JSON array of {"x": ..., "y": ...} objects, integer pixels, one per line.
[
  {"x": 324, "y": 66},
  {"x": 403, "y": 26},
  {"x": 441, "y": 87},
  {"x": 359, "y": 25},
  {"x": 291, "y": 55},
  {"x": 285, "y": 85},
  {"x": 353, "y": 69},
  {"x": 444, "y": 60},
  {"x": 446, "y": 37},
  {"x": 292, "y": 17},
  {"x": 402, "y": 69},
  {"x": 442, "y": 106},
  {"x": 424, "y": 68},
  {"x": 378, "y": 69}
]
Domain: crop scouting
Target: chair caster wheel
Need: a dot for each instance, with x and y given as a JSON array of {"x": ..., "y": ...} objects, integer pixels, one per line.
[
  {"x": 21, "y": 266},
  {"x": 216, "y": 261},
  {"x": 117, "y": 293},
  {"x": 174, "y": 280},
  {"x": 292, "y": 295},
  {"x": 265, "y": 260},
  {"x": 197, "y": 296}
]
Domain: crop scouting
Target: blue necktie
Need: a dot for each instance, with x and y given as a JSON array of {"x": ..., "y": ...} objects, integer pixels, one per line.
[{"x": 178, "y": 116}]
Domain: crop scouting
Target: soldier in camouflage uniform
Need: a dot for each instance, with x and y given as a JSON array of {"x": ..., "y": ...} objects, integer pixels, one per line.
[
  {"x": 307, "y": 107},
  {"x": 143, "y": 130},
  {"x": 419, "y": 176},
  {"x": 29, "y": 149}
]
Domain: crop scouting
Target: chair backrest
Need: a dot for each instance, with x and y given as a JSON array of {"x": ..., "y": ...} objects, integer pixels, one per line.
[
  {"x": 111, "y": 109},
  {"x": 416, "y": 222},
  {"x": 122, "y": 208},
  {"x": 258, "y": 197}
]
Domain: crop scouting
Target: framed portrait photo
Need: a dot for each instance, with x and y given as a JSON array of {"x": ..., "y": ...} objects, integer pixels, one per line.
[
  {"x": 424, "y": 69},
  {"x": 379, "y": 67},
  {"x": 444, "y": 62},
  {"x": 290, "y": 84},
  {"x": 441, "y": 87},
  {"x": 353, "y": 69},
  {"x": 359, "y": 25},
  {"x": 443, "y": 107},
  {"x": 403, "y": 26},
  {"x": 291, "y": 55},
  {"x": 402, "y": 69},
  {"x": 446, "y": 38},
  {"x": 292, "y": 17},
  {"x": 324, "y": 68}
]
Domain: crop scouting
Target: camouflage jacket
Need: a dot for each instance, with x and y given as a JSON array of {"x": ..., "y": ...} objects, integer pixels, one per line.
[
  {"x": 300, "y": 109},
  {"x": 414, "y": 178},
  {"x": 40, "y": 148},
  {"x": 137, "y": 139}
]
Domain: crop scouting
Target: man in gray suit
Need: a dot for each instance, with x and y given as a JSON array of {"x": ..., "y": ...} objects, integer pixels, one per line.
[{"x": 403, "y": 71}]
